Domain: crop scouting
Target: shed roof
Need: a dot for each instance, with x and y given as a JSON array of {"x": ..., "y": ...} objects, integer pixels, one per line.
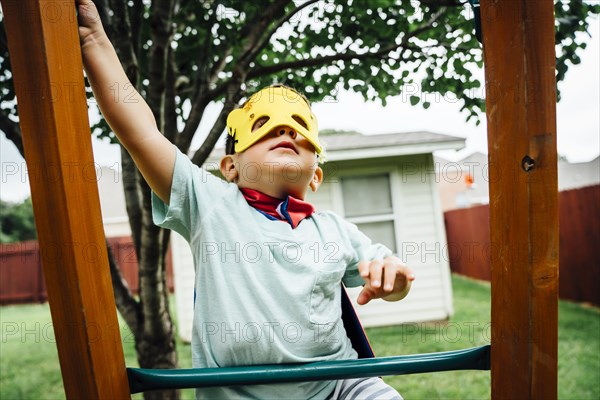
[
  {"x": 355, "y": 140},
  {"x": 354, "y": 145}
]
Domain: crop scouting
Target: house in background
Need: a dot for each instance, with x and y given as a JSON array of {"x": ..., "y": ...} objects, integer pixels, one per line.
[
  {"x": 462, "y": 183},
  {"x": 465, "y": 183},
  {"x": 578, "y": 175},
  {"x": 467, "y": 217},
  {"x": 112, "y": 202},
  {"x": 386, "y": 185}
]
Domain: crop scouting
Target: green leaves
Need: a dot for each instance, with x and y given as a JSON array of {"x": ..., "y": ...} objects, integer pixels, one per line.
[
  {"x": 16, "y": 222},
  {"x": 378, "y": 48},
  {"x": 571, "y": 22}
]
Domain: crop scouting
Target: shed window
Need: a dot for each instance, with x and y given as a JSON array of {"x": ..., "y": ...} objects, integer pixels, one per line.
[
  {"x": 367, "y": 195},
  {"x": 368, "y": 204}
]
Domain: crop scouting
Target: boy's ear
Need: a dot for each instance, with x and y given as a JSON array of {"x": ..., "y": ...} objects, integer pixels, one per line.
[
  {"x": 228, "y": 169},
  {"x": 316, "y": 180}
]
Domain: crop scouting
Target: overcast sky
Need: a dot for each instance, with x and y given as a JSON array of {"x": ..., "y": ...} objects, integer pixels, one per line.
[{"x": 577, "y": 120}]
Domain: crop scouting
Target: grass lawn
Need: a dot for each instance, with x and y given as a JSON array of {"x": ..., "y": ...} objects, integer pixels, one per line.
[{"x": 29, "y": 363}]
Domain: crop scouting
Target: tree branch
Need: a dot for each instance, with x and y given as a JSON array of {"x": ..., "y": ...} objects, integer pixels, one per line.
[
  {"x": 128, "y": 307},
  {"x": 201, "y": 82},
  {"x": 233, "y": 96},
  {"x": 161, "y": 16},
  {"x": 3, "y": 40},
  {"x": 256, "y": 32},
  {"x": 203, "y": 94},
  {"x": 445, "y": 3},
  {"x": 343, "y": 56},
  {"x": 12, "y": 130},
  {"x": 122, "y": 40},
  {"x": 136, "y": 15},
  {"x": 203, "y": 153},
  {"x": 105, "y": 17},
  {"x": 426, "y": 25},
  {"x": 318, "y": 61},
  {"x": 208, "y": 145},
  {"x": 217, "y": 67},
  {"x": 133, "y": 201},
  {"x": 240, "y": 69},
  {"x": 157, "y": 322},
  {"x": 170, "y": 108},
  {"x": 266, "y": 38},
  {"x": 184, "y": 139}
]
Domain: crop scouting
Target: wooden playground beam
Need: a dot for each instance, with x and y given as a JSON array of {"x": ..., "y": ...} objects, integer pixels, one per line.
[
  {"x": 46, "y": 62},
  {"x": 519, "y": 55}
]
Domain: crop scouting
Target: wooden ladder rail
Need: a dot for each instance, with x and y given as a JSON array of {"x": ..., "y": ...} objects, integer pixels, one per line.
[{"x": 45, "y": 55}]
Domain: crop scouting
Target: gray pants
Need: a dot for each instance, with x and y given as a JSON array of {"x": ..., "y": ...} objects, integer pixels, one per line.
[{"x": 364, "y": 389}]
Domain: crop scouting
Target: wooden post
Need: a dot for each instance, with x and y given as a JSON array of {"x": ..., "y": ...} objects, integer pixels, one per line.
[
  {"x": 521, "y": 113},
  {"x": 46, "y": 63}
]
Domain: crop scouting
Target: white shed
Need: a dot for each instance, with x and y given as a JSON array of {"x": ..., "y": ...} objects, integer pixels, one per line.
[{"x": 386, "y": 184}]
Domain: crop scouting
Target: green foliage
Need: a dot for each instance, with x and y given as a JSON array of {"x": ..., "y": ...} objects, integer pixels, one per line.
[
  {"x": 378, "y": 48},
  {"x": 570, "y": 21},
  {"x": 16, "y": 222}
]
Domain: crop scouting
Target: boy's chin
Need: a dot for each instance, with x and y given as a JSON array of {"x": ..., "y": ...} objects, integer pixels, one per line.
[
  {"x": 287, "y": 168},
  {"x": 280, "y": 187},
  {"x": 282, "y": 157}
]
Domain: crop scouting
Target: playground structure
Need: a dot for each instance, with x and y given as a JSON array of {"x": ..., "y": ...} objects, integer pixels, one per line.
[{"x": 518, "y": 39}]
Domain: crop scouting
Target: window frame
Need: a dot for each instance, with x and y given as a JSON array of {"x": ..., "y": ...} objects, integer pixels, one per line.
[{"x": 395, "y": 193}]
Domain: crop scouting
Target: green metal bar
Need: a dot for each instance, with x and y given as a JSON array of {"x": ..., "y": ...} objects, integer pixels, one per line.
[{"x": 140, "y": 380}]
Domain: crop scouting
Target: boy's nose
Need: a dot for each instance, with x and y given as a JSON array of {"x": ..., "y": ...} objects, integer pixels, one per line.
[{"x": 287, "y": 130}]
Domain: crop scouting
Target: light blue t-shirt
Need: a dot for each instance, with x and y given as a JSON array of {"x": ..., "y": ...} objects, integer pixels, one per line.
[{"x": 265, "y": 293}]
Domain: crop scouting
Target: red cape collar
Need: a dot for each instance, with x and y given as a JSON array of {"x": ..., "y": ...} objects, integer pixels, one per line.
[{"x": 290, "y": 210}]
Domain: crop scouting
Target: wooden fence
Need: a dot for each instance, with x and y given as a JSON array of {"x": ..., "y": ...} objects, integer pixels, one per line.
[
  {"x": 469, "y": 246},
  {"x": 22, "y": 277}
]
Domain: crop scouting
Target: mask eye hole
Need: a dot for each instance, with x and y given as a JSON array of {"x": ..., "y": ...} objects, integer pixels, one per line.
[
  {"x": 301, "y": 121},
  {"x": 259, "y": 123}
]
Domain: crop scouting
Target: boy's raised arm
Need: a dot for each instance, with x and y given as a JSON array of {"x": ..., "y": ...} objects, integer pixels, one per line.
[{"x": 123, "y": 107}]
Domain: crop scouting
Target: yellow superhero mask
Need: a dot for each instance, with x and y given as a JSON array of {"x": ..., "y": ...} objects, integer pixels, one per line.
[{"x": 282, "y": 107}]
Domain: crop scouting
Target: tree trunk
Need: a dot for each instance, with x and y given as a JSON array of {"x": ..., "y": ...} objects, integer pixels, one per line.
[
  {"x": 154, "y": 331},
  {"x": 155, "y": 340},
  {"x": 156, "y": 352}
]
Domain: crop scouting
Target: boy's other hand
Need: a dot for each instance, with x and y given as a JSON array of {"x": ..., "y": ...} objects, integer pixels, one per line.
[{"x": 389, "y": 279}]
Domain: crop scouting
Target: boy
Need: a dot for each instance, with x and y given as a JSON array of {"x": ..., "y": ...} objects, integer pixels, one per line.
[{"x": 268, "y": 268}]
